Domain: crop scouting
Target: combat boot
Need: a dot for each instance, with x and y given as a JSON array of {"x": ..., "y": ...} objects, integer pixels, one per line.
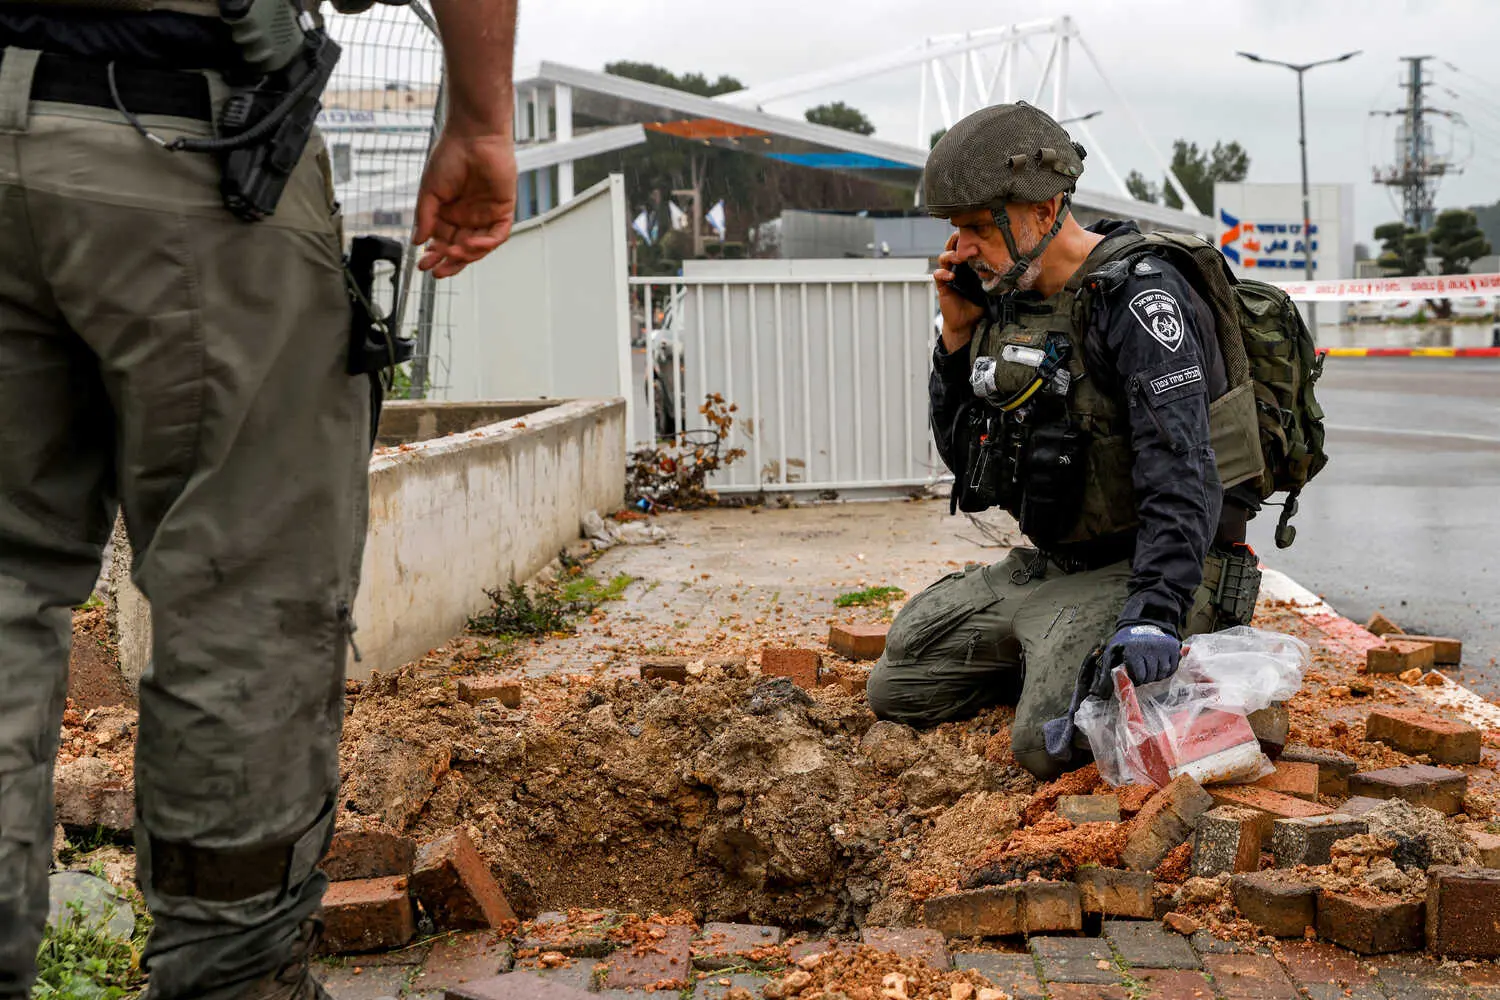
[{"x": 294, "y": 980}]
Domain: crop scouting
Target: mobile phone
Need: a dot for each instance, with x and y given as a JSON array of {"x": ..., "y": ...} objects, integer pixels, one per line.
[{"x": 966, "y": 283}]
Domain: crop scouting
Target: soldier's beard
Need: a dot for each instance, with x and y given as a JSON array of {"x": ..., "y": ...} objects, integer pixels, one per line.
[{"x": 993, "y": 282}]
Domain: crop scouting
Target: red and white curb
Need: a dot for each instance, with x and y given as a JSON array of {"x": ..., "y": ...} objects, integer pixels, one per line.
[{"x": 1352, "y": 637}]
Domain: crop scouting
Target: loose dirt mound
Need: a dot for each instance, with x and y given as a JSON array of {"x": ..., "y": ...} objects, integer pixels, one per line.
[{"x": 732, "y": 797}]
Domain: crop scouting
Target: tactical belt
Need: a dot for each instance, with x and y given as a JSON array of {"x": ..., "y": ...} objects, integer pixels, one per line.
[
  {"x": 1096, "y": 554},
  {"x": 71, "y": 80}
]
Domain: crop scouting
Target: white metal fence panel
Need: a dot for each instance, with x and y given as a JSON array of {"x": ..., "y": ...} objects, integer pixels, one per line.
[{"x": 829, "y": 374}]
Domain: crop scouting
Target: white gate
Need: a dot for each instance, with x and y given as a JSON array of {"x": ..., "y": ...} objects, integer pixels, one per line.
[{"x": 828, "y": 371}]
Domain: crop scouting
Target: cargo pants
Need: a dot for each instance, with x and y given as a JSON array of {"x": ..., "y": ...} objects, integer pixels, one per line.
[
  {"x": 1003, "y": 634},
  {"x": 157, "y": 353}
]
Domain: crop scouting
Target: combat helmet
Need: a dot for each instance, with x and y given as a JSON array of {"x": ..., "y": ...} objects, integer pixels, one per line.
[{"x": 999, "y": 154}]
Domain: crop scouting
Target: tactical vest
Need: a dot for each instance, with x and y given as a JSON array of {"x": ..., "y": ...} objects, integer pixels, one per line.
[{"x": 1102, "y": 501}]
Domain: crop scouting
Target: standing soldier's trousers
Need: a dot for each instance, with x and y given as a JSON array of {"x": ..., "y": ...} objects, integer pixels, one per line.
[{"x": 157, "y": 353}]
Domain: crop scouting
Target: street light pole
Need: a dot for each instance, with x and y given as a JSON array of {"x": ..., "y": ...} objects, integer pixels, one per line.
[{"x": 1300, "y": 69}]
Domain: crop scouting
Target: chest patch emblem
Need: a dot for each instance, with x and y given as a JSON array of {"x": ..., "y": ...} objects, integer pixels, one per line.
[{"x": 1160, "y": 315}]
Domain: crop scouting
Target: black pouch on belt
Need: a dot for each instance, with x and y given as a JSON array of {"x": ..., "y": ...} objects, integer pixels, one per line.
[{"x": 1054, "y": 479}]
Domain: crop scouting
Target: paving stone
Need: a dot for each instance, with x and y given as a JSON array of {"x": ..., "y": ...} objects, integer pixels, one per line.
[
  {"x": 1415, "y": 977},
  {"x": 910, "y": 942},
  {"x": 1079, "y": 809},
  {"x": 1487, "y": 846},
  {"x": 716, "y": 987},
  {"x": 466, "y": 957},
  {"x": 1295, "y": 778},
  {"x": 1334, "y": 768},
  {"x": 486, "y": 686},
  {"x": 1148, "y": 945},
  {"x": 1166, "y": 821},
  {"x": 858, "y": 642},
  {"x": 1115, "y": 892},
  {"x": 1309, "y": 840},
  {"x": 1414, "y": 732},
  {"x": 664, "y": 960},
  {"x": 1227, "y": 840},
  {"x": 520, "y": 986},
  {"x": 797, "y": 952},
  {"x": 1382, "y": 626},
  {"x": 367, "y": 915},
  {"x": 724, "y": 946},
  {"x": 1370, "y": 925},
  {"x": 368, "y": 854},
  {"x": 1249, "y": 977},
  {"x": 803, "y": 666},
  {"x": 1420, "y": 784},
  {"x": 1463, "y": 912},
  {"x": 1078, "y": 991},
  {"x": 1397, "y": 656},
  {"x": 1333, "y": 991},
  {"x": 87, "y": 792},
  {"x": 455, "y": 886},
  {"x": 585, "y": 938},
  {"x": 1013, "y": 974},
  {"x": 1205, "y": 943},
  {"x": 1276, "y": 903},
  {"x": 352, "y": 981},
  {"x": 1171, "y": 984},
  {"x": 1270, "y": 805},
  {"x": 1074, "y": 960}
]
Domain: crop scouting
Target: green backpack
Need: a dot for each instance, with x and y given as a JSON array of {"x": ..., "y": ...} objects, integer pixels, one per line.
[{"x": 1266, "y": 348}]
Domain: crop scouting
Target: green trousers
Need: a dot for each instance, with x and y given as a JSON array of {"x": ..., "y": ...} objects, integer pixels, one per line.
[
  {"x": 157, "y": 353},
  {"x": 1003, "y": 634}
]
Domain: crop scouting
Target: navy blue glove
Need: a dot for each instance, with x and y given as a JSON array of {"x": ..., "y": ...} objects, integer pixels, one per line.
[{"x": 1147, "y": 652}]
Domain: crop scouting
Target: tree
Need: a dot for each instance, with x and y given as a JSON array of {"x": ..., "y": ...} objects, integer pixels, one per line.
[
  {"x": 1455, "y": 240},
  {"x": 1141, "y": 189},
  {"x": 1199, "y": 170},
  {"x": 842, "y": 116},
  {"x": 1402, "y": 249},
  {"x": 932, "y": 140}
]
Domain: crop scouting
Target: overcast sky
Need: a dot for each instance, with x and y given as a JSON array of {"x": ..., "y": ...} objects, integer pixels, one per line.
[{"x": 1172, "y": 60}]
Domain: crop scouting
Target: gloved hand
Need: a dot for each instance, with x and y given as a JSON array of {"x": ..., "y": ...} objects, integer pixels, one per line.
[{"x": 1147, "y": 652}]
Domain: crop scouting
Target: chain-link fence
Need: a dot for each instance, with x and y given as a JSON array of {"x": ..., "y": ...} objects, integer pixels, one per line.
[{"x": 380, "y": 112}]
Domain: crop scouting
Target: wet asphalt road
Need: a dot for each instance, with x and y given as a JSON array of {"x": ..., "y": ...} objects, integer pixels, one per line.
[{"x": 1405, "y": 518}]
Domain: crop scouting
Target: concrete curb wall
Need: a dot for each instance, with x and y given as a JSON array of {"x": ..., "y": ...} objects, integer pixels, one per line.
[
  {"x": 1350, "y": 636},
  {"x": 449, "y": 518}
]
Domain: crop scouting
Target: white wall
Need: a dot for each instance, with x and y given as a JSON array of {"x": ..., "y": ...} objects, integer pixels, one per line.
[
  {"x": 546, "y": 315},
  {"x": 1270, "y": 207}
]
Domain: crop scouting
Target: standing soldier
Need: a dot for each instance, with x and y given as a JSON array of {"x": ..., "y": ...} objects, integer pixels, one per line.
[{"x": 158, "y": 350}]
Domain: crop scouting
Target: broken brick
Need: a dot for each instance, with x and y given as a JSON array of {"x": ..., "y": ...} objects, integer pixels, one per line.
[
  {"x": 87, "y": 792},
  {"x": 1115, "y": 892},
  {"x": 858, "y": 642},
  {"x": 918, "y": 943},
  {"x": 1420, "y": 784},
  {"x": 1271, "y": 725},
  {"x": 1380, "y": 625},
  {"x": 1227, "y": 840},
  {"x": 1079, "y": 809},
  {"x": 1446, "y": 652},
  {"x": 803, "y": 666},
  {"x": 1397, "y": 656},
  {"x": 1270, "y": 806},
  {"x": 654, "y": 963},
  {"x": 1294, "y": 778},
  {"x": 665, "y": 668},
  {"x": 994, "y": 911},
  {"x": 1051, "y": 906},
  {"x": 455, "y": 887},
  {"x": 1334, "y": 768},
  {"x": 486, "y": 686},
  {"x": 1166, "y": 821},
  {"x": 1276, "y": 903},
  {"x": 1309, "y": 840},
  {"x": 1463, "y": 912},
  {"x": 367, "y": 915},
  {"x": 1370, "y": 925},
  {"x": 1414, "y": 732},
  {"x": 1487, "y": 847},
  {"x": 368, "y": 854}
]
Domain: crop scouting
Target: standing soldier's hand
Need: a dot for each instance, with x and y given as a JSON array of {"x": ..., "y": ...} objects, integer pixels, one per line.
[
  {"x": 467, "y": 202},
  {"x": 959, "y": 314}
]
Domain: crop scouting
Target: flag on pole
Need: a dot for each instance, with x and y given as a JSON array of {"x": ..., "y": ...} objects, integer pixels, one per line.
[
  {"x": 715, "y": 218},
  {"x": 642, "y": 225},
  {"x": 679, "y": 217}
]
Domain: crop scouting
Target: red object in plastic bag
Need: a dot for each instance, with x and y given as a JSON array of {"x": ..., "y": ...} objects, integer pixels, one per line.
[{"x": 1208, "y": 744}]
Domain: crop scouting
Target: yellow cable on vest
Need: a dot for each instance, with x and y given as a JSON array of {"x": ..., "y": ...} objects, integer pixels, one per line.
[{"x": 1024, "y": 395}]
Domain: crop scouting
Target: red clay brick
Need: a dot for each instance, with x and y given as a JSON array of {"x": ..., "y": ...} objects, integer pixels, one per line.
[
  {"x": 1166, "y": 821},
  {"x": 1398, "y": 656},
  {"x": 1270, "y": 805},
  {"x": 990, "y": 912},
  {"x": 1227, "y": 840},
  {"x": 455, "y": 887},
  {"x": 1316, "y": 962},
  {"x": 87, "y": 792},
  {"x": 858, "y": 642},
  {"x": 1250, "y": 977},
  {"x": 1382, "y": 626},
  {"x": 910, "y": 942},
  {"x": 665, "y": 668},
  {"x": 1370, "y": 925},
  {"x": 1463, "y": 912},
  {"x": 368, "y": 854},
  {"x": 803, "y": 666},
  {"x": 1420, "y": 784},
  {"x": 664, "y": 962},
  {"x": 1051, "y": 906},
  {"x": 1171, "y": 984},
  {"x": 367, "y": 915},
  {"x": 1115, "y": 892},
  {"x": 1415, "y": 732},
  {"x": 517, "y": 986},
  {"x": 486, "y": 686},
  {"x": 1334, "y": 768},
  {"x": 1294, "y": 778},
  {"x": 1280, "y": 905},
  {"x": 1446, "y": 652}
]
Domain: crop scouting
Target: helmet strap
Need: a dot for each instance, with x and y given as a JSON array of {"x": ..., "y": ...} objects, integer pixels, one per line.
[{"x": 1021, "y": 261}]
